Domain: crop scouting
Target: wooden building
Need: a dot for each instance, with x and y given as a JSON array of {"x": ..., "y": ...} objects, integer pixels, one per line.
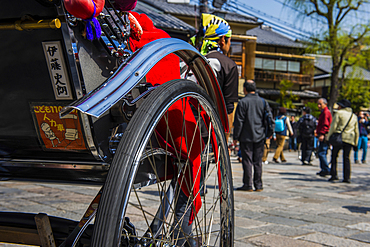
[
  {"x": 260, "y": 53},
  {"x": 243, "y": 46},
  {"x": 279, "y": 58}
]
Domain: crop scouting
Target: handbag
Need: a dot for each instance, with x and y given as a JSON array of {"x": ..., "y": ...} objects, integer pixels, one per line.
[{"x": 336, "y": 138}]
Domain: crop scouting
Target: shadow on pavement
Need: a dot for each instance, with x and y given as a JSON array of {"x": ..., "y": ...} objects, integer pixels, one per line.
[
  {"x": 357, "y": 209},
  {"x": 308, "y": 178}
]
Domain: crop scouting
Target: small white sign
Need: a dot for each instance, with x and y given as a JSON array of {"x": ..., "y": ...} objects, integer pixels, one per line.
[
  {"x": 178, "y": 1},
  {"x": 57, "y": 70}
]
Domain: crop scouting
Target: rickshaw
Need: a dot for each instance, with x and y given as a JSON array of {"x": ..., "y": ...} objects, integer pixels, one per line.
[{"x": 85, "y": 111}]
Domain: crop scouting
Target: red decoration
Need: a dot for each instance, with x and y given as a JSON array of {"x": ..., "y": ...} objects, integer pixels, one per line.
[
  {"x": 168, "y": 68},
  {"x": 165, "y": 70},
  {"x": 84, "y": 9},
  {"x": 135, "y": 28}
]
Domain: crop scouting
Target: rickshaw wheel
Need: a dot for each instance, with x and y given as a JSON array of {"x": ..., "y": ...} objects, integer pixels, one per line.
[{"x": 148, "y": 198}]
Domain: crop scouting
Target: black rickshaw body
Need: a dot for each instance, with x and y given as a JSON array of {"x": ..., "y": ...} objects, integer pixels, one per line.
[
  {"x": 34, "y": 141},
  {"x": 63, "y": 97},
  {"x": 66, "y": 102}
]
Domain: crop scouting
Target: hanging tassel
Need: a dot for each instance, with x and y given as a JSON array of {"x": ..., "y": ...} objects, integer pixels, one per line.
[
  {"x": 93, "y": 29},
  {"x": 135, "y": 28}
]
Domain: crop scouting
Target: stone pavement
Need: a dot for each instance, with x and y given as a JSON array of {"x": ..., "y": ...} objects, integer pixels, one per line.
[
  {"x": 296, "y": 208},
  {"x": 299, "y": 208}
]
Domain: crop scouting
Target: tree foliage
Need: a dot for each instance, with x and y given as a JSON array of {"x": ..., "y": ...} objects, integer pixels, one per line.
[
  {"x": 357, "y": 92},
  {"x": 335, "y": 36},
  {"x": 286, "y": 97},
  {"x": 314, "y": 109}
]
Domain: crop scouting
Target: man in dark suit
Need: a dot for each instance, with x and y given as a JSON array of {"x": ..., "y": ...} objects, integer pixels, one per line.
[{"x": 249, "y": 130}]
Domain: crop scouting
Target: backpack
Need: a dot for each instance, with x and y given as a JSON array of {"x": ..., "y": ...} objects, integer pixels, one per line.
[
  {"x": 279, "y": 124},
  {"x": 307, "y": 128},
  {"x": 268, "y": 121}
]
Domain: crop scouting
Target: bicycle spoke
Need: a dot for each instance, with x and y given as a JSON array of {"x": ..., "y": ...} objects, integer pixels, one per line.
[{"x": 178, "y": 196}]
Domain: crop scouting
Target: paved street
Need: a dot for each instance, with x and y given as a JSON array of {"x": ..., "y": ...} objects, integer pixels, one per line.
[
  {"x": 296, "y": 208},
  {"x": 299, "y": 208}
]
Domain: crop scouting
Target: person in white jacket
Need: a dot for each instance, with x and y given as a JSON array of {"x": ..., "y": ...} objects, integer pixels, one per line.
[{"x": 345, "y": 122}]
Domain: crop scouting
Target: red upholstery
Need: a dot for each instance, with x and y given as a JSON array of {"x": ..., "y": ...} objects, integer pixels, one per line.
[{"x": 169, "y": 69}]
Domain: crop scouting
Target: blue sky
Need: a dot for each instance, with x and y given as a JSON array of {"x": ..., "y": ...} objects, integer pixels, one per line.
[{"x": 274, "y": 14}]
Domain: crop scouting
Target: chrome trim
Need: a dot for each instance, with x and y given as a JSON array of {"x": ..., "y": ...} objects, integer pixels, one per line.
[
  {"x": 73, "y": 165},
  {"x": 89, "y": 137},
  {"x": 77, "y": 79},
  {"x": 157, "y": 151},
  {"x": 134, "y": 101},
  {"x": 151, "y": 180},
  {"x": 137, "y": 66},
  {"x": 68, "y": 40},
  {"x": 78, "y": 165}
]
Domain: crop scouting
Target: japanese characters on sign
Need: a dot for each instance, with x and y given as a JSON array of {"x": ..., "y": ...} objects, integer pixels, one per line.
[
  {"x": 57, "y": 69},
  {"x": 57, "y": 133}
]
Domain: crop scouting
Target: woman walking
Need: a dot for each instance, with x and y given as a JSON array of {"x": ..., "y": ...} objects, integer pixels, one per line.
[{"x": 281, "y": 134}]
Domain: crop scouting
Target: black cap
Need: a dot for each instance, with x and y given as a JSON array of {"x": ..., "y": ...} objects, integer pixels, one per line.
[
  {"x": 306, "y": 109},
  {"x": 344, "y": 103}
]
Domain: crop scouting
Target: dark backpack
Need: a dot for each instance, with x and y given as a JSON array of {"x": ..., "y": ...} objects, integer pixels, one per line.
[
  {"x": 307, "y": 127},
  {"x": 268, "y": 121}
]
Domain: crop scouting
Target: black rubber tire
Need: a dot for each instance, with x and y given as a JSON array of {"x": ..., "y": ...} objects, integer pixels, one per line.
[{"x": 122, "y": 172}]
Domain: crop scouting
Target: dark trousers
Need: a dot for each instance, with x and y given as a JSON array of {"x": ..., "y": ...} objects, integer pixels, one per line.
[
  {"x": 307, "y": 148},
  {"x": 323, "y": 151},
  {"x": 293, "y": 143},
  {"x": 252, "y": 153},
  {"x": 346, "y": 163}
]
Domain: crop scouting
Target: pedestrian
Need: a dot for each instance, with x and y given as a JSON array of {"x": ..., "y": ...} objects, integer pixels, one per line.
[
  {"x": 250, "y": 131},
  {"x": 282, "y": 130},
  {"x": 266, "y": 151},
  {"x": 322, "y": 130},
  {"x": 239, "y": 155},
  {"x": 345, "y": 122},
  {"x": 306, "y": 126},
  {"x": 315, "y": 141},
  {"x": 293, "y": 138},
  {"x": 363, "y": 122},
  {"x": 216, "y": 42}
]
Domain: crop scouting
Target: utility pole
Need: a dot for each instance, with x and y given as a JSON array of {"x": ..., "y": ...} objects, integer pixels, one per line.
[{"x": 203, "y": 7}]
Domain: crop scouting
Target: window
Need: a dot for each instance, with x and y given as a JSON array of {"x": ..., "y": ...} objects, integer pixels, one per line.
[
  {"x": 236, "y": 51},
  {"x": 239, "y": 70},
  {"x": 293, "y": 66},
  {"x": 277, "y": 65},
  {"x": 262, "y": 48},
  {"x": 258, "y": 63},
  {"x": 236, "y": 48},
  {"x": 282, "y": 50},
  {"x": 268, "y": 64},
  {"x": 271, "y": 49},
  {"x": 281, "y": 65}
]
